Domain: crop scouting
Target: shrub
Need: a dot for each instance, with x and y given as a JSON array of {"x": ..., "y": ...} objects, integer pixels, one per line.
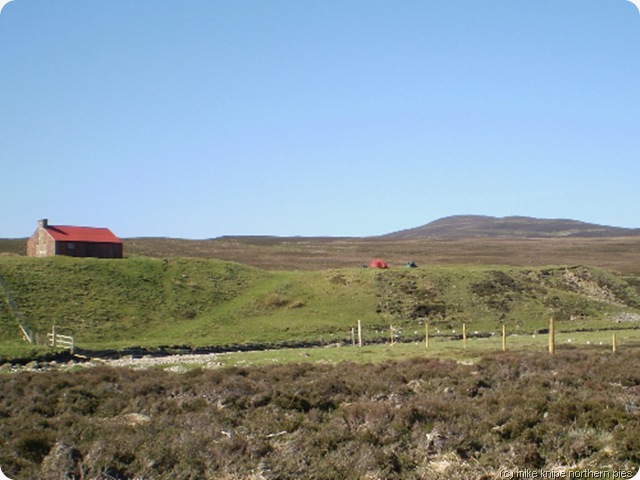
[
  {"x": 33, "y": 446},
  {"x": 387, "y": 420}
]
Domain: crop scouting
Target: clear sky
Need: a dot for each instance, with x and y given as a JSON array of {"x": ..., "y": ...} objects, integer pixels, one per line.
[{"x": 204, "y": 118}]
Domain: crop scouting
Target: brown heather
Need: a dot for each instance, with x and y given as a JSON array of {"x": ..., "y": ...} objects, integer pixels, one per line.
[
  {"x": 310, "y": 253},
  {"x": 415, "y": 419}
]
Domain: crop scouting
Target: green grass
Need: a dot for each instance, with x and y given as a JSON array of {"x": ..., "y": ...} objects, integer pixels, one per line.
[
  {"x": 441, "y": 348},
  {"x": 151, "y": 302}
]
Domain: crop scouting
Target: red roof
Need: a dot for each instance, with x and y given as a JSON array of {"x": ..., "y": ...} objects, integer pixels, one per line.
[{"x": 82, "y": 234}]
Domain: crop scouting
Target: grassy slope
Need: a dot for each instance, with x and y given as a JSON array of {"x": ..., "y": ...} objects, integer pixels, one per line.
[{"x": 152, "y": 302}]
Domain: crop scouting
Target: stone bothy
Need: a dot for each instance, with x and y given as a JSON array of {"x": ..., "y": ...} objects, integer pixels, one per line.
[{"x": 50, "y": 240}]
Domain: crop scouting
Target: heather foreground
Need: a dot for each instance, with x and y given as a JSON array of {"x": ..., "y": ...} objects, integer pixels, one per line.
[{"x": 505, "y": 413}]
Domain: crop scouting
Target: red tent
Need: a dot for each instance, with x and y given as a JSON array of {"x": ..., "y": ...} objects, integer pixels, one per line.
[{"x": 378, "y": 263}]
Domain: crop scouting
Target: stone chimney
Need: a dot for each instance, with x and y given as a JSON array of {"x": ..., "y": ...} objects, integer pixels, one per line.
[{"x": 43, "y": 223}]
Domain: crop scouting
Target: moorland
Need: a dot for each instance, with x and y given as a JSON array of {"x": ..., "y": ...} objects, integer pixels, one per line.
[
  {"x": 379, "y": 411},
  {"x": 420, "y": 418}
]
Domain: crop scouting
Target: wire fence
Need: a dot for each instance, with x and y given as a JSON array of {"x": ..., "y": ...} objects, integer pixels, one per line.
[{"x": 27, "y": 333}]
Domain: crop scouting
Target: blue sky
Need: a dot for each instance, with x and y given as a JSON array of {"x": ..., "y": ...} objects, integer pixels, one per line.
[{"x": 343, "y": 118}]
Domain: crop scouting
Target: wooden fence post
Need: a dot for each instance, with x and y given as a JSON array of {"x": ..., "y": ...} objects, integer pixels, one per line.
[
  {"x": 464, "y": 335},
  {"x": 614, "y": 342},
  {"x": 360, "y": 333},
  {"x": 353, "y": 336},
  {"x": 426, "y": 334},
  {"x": 552, "y": 335},
  {"x": 54, "y": 336},
  {"x": 504, "y": 338}
]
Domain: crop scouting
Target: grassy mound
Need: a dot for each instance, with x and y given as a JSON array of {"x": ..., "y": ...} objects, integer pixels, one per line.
[{"x": 152, "y": 302}]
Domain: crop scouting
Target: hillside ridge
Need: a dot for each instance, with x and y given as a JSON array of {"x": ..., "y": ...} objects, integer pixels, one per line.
[
  {"x": 473, "y": 226},
  {"x": 150, "y": 302}
]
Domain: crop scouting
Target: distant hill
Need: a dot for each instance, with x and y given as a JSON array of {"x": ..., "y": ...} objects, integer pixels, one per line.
[
  {"x": 477, "y": 240},
  {"x": 474, "y": 226}
]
